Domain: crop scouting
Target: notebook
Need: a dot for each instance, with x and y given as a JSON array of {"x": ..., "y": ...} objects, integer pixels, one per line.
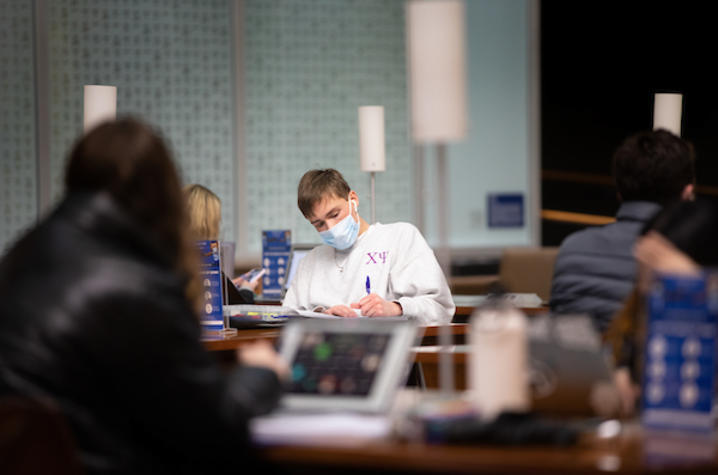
[{"x": 241, "y": 315}]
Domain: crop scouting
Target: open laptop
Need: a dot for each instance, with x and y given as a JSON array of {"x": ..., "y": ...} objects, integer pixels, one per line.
[
  {"x": 345, "y": 375},
  {"x": 346, "y": 365}
]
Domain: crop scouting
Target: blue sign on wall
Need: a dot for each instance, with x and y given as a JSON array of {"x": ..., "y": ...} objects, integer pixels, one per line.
[
  {"x": 506, "y": 210},
  {"x": 680, "y": 353}
]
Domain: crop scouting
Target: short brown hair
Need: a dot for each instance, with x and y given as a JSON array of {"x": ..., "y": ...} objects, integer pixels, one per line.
[
  {"x": 317, "y": 185},
  {"x": 653, "y": 166}
]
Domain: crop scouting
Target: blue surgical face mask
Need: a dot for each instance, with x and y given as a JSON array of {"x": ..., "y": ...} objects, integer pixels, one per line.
[{"x": 344, "y": 234}]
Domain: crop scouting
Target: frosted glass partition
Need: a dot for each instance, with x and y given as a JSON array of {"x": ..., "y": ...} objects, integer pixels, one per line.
[
  {"x": 18, "y": 174},
  {"x": 308, "y": 65}
]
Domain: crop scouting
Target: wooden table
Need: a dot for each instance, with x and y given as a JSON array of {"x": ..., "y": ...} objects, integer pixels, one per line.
[
  {"x": 632, "y": 452},
  {"x": 428, "y": 357},
  {"x": 225, "y": 343},
  {"x": 233, "y": 342},
  {"x": 459, "y": 330},
  {"x": 463, "y": 313}
]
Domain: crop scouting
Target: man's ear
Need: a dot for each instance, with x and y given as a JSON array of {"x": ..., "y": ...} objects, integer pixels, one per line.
[
  {"x": 688, "y": 193},
  {"x": 353, "y": 196}
]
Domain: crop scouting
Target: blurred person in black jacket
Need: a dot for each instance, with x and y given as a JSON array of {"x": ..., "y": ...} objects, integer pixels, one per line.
[
  {"x": 98, "y": 315},
  {"x": 679, "y": 241}
]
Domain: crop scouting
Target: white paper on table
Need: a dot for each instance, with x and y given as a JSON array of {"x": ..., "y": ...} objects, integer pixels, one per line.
[
  {"x": 310, "y": 314},
  {"x": 340, "y": 428}
]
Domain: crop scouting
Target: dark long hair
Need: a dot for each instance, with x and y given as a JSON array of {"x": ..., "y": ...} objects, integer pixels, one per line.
[
  {"x": 129, "y": 160},
  {"x": 692, "y": 226}
]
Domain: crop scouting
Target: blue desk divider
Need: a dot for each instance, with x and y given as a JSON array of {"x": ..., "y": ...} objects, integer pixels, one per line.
[
  {"x": 678, "y": 388},
  {"x": 276, "y": 248},
  {"x": 210, "y": 272}
]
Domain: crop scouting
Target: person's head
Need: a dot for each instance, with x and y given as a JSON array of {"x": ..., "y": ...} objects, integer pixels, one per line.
[
  {"x": 330, "y": 205},
  {"x": 129, "y": 161},
  {"x": 204, "y": 211},
  {"x": 654, "y": 166}
]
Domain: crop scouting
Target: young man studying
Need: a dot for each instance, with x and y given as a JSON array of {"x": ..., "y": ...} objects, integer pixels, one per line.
[{"x": 378, "y": 270}]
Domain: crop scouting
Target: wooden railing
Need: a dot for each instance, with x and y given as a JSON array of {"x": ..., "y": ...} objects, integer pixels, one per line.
[{"x": 576, "y": 218}]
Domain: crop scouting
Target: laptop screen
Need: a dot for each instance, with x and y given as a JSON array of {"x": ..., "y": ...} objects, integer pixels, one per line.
[
  {"x": 320, "y": 354},
  {"x": 345, "y": 364}
]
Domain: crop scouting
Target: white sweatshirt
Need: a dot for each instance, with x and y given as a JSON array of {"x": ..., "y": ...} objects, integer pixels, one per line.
[{"x": 399, "y": 263}]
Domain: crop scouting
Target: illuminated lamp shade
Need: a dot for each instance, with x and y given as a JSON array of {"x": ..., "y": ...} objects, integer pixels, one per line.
[
  {"x": 667, "y": 112},
  {"x": 100, "y": 105},
  {"x": 436, "y": 47},
  {"x": 372, "y": 149}
]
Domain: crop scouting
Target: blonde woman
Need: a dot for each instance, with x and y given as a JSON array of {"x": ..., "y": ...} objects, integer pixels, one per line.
[{"x": 205, "y": 214}]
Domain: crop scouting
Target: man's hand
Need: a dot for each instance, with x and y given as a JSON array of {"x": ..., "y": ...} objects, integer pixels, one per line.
[{"x": 374, "y": 306}]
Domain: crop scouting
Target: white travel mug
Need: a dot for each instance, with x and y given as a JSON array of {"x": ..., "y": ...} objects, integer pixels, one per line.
[{"x": 498, "y": 364}]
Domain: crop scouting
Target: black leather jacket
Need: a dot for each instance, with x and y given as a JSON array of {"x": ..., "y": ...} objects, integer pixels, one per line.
[{"x": 92, "y": 316}]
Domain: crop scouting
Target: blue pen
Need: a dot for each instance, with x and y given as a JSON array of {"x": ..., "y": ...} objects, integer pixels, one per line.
[{"x": 368, "y": 285}]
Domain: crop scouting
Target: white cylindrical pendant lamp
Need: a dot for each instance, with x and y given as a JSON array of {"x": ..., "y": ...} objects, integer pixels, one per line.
[
  {"x": 436, "y": 43},
  {"x": 667, "y": 112},
  {"x": 100, "y": 105},
  {"x": 372, "y": 148}
]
